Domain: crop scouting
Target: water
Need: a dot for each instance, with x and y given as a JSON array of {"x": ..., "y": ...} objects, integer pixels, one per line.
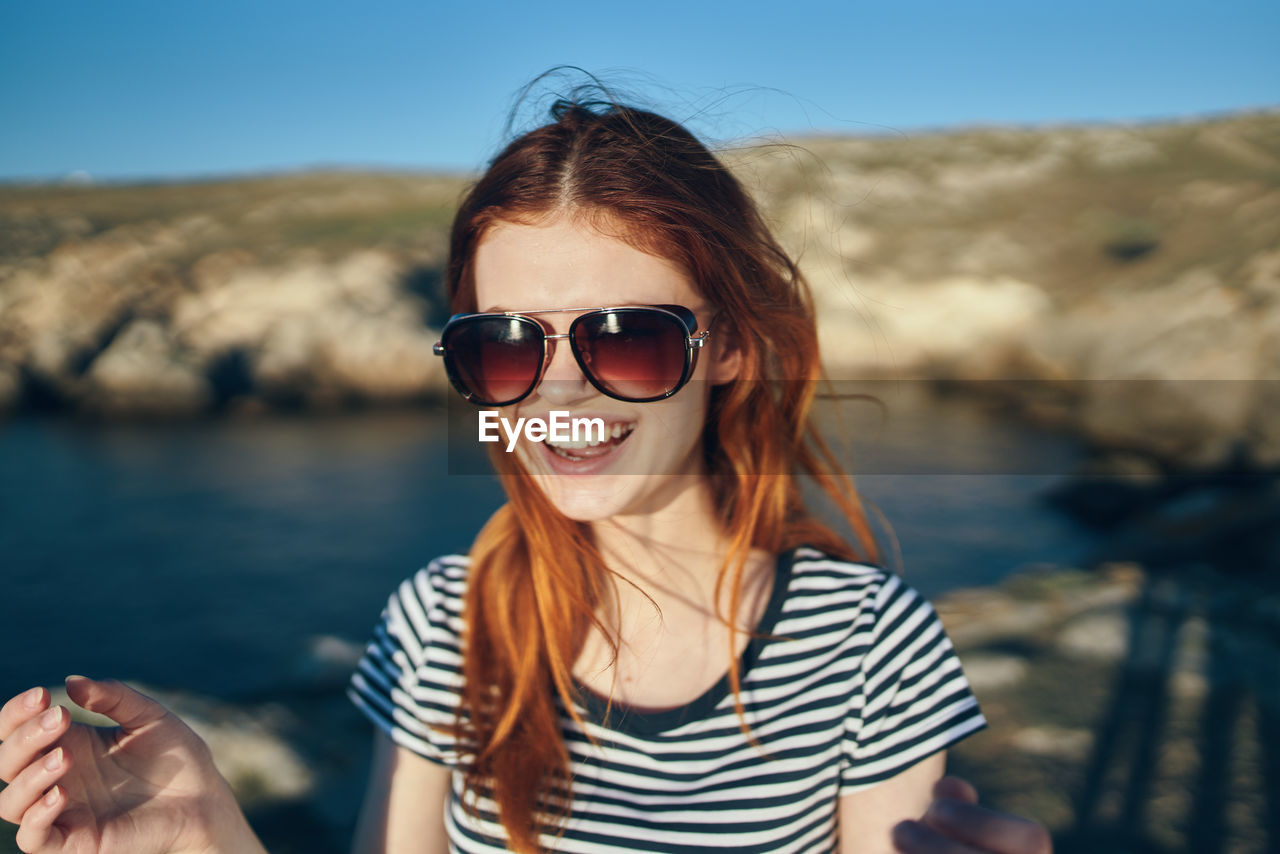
[{"x": 207, "y": 556}]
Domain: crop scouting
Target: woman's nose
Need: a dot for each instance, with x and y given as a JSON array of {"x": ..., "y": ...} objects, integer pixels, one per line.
[{"x": 563, "y": 382}]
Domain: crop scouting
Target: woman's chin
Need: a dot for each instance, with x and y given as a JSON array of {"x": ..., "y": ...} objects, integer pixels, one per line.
[{"x": 589, "y": 499}]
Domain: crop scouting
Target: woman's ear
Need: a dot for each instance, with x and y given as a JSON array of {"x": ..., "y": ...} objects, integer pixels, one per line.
[{"x": 725, "y": 358}]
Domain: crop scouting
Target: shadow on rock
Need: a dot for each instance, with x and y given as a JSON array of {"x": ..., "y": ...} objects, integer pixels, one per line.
[{"x": 1200, "y": 760}]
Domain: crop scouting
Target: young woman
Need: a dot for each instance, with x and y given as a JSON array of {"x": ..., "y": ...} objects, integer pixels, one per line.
[{"x": 653, "y": 646}]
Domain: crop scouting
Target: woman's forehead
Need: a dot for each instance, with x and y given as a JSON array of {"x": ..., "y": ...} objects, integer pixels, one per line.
[{"x": 566, "y": 262}]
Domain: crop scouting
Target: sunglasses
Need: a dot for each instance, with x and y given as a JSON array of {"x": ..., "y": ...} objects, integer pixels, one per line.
[{"x": 636, "y": 353}]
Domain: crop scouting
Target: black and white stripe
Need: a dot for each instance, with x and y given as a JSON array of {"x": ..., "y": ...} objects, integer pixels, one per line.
[{"x": 855, "y": 682}]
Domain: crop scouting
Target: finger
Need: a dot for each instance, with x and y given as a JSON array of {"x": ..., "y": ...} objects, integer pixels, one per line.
[
  {"x": 21, "y": 709},
  {"x": 37, "y": 828},
  {"x": 30, "y": 740},
  {"x": 986, "y": 829},
  {"x": 956, "y": 789},
  {"x": 912, "y": 837},
  {"x": 127, "y": 707},
  {"x": 31, "y": 784}
]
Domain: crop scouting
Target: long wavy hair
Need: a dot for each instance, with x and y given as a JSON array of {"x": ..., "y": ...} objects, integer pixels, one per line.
[{"x": 536, "y": 579}]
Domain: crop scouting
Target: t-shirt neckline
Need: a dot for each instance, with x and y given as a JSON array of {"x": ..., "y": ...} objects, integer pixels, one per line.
[{"x": 625, "y": 719}]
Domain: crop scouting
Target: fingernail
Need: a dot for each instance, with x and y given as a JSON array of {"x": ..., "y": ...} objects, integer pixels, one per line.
[
  {"x": 51, "y": 798},
  {"x": 31, "y": 699},
  {"x": 53, "y": 760},
  {"x": 51, "y": 719}
]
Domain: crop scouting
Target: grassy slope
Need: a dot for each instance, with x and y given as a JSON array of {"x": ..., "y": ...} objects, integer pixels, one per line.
[{"x": 271, "y": 216}]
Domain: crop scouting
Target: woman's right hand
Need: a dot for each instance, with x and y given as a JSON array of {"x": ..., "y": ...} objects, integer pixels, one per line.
[{"x": 148, "y": 786}]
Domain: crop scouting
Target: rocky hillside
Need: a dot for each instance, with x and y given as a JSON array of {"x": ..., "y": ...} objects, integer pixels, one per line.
[
  {"x": 1119, "y": 281},
  {"x": 290, "y": 291},
  {"x": 1123, "y": 282}
]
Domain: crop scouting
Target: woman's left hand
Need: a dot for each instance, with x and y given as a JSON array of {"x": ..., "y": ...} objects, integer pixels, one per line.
[{"x": 955, "y": 824}]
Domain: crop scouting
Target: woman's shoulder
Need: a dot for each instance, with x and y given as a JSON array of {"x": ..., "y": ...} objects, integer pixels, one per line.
[
  {"x": 819, "y": 568},
  {"x": 410, "y": 677},
  {"x": 444, "y": 572},
  {"x": 445, "y": 575},
  {"x": 432, "y": 596},
  {"x": 862, "y": 586}
]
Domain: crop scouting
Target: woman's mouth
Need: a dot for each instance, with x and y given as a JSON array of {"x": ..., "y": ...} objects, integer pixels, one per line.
[
  {"x": 587, "y": 455},
  {"x": 584, "y": 449}
]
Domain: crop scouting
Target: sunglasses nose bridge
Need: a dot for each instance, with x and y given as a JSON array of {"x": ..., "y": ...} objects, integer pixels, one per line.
[{"x": 562, "y": 380}]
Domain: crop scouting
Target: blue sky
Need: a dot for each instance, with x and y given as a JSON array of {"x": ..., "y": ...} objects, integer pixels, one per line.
[{"x": 165, "y": 89}]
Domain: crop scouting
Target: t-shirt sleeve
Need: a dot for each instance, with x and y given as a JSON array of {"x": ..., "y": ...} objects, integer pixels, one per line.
[
  {"x": 913, "y": 699},
  {"x": 410, "y": 679}
]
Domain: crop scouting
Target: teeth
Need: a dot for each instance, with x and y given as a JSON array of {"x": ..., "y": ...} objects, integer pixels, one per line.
[{"x": 616, "y": 432}]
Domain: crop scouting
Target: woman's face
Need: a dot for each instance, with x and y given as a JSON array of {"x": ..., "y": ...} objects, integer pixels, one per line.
[{"x": 563, "y": 262}]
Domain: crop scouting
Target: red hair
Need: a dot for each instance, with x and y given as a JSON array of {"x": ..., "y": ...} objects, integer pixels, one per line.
[{"x": 536, "y": 578}]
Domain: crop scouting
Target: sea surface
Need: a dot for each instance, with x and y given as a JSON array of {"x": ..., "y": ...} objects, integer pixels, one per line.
[{"x": 213, "y": 556}]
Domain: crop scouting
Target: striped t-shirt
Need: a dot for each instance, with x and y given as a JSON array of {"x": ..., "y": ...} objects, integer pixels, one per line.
[{"x": 856, "y": 682}]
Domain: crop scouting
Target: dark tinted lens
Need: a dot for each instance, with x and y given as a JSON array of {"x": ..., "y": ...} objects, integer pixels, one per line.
[
  {"x": 494, "y": 359},
  {"x": 633, "y": 353}
]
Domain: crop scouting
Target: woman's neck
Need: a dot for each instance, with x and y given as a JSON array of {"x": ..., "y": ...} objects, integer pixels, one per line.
[
  {"x": 666, "y": 603},
  {"x": 675, "y": 550},
  {"x": 684, "y": 529}
]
